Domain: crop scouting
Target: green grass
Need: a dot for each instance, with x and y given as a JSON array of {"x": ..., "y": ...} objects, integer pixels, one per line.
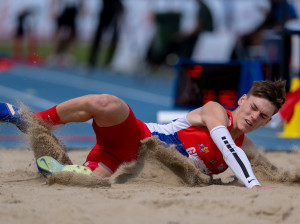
[{"x": 80, "y": 52}]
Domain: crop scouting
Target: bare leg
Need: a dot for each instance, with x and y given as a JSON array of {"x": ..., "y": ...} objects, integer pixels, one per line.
[
  {"x": 106, "y": 110},
  {"x": 102, "y": 171}
]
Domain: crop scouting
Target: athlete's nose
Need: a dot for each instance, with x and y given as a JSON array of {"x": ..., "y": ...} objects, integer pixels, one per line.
[{"x": 255, "y": 115}]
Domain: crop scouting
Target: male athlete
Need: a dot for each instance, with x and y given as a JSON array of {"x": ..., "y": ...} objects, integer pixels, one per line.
[{"x": 211, "y": 137}]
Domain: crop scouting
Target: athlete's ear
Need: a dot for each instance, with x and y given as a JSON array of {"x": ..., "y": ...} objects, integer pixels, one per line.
[{"x": 242, "y": 99}]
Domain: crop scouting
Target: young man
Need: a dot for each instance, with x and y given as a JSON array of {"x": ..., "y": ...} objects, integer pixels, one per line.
[{"x": 211, "y": 137}]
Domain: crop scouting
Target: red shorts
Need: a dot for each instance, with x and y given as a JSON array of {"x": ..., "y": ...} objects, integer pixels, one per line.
[{"x": 117, "y": 144}]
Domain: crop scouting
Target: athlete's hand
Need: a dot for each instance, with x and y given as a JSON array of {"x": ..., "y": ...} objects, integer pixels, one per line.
[{"x": 263, "y": 187}]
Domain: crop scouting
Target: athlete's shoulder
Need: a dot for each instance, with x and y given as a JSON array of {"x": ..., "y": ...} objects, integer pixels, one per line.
[
  {"x": 212, "y": 109},
  {"x": 211, "y": 105}
]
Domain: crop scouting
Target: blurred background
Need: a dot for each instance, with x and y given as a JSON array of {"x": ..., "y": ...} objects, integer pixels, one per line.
[
  {"x": 128, "y": 34},
  {"x": 173, "y": 54}
]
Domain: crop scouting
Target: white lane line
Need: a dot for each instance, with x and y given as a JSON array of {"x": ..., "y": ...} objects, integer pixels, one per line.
[
  {"x": 64, "y": 79},
  {"x": 28, "y": 99}
]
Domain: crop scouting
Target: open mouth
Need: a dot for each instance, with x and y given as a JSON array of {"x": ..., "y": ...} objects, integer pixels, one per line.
[{"x": 248, "y": 122}]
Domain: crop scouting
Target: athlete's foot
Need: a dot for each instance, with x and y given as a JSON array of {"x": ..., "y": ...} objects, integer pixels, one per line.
[
  {"x": 11, "y": 114},
  {"x": 48, "y": 165}
]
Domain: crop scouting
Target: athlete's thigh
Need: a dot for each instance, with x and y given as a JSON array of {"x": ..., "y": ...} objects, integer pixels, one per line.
[{"x": 117, "y": 144}]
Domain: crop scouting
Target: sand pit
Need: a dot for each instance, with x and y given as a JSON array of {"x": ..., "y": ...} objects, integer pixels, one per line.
[{"x": 155, "y": 195}]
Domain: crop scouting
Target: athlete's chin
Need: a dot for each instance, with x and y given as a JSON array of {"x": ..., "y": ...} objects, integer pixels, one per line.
[
  {"x": 247, "y": 128},
  {"x": 250, "y": 129}
]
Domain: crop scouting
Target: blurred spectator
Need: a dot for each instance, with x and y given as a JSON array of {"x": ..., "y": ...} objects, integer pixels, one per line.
[
  {"x": 65, "y": 14},
  {"x": 176, "y": 43},
  {"x": 109, "y": 18},
  {"x": 274, "y": 21},
  {"x": 276, "y": 17},
  {"x": 162, "y": 44},
  {"x": 25, "y": 31},
  {"x": 186, "y": 41}
]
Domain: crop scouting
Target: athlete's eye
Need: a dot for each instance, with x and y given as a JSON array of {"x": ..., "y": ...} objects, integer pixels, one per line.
[{"x": 263, "y": 116}]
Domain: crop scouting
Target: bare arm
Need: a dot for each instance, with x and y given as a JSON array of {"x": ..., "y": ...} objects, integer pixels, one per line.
[
  {"x": 249, "y": 148},
  {"x": 210, "y": 115}
]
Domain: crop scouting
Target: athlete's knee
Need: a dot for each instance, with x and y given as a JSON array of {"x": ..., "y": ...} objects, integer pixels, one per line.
[{"x": 105, "y": 103}]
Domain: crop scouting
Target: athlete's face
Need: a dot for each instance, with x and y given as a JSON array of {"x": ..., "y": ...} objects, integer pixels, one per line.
[{"x": 253, "y": 112}]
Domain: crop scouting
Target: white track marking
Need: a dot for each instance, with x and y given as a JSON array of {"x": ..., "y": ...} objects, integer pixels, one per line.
[
  {"x": 28, "y": 99},
  {"x": 64, "y": 79}
]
